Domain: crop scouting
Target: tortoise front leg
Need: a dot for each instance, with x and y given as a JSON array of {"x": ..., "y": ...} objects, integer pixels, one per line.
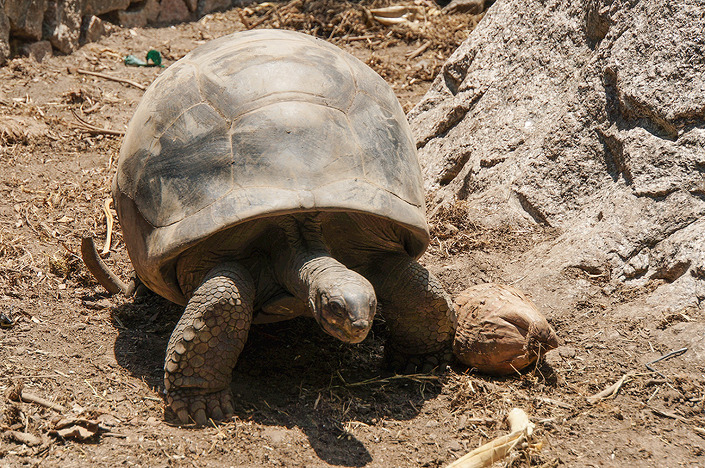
[
  {"x": 418, "y": 313},
  {"x": 206, "y": 343}
]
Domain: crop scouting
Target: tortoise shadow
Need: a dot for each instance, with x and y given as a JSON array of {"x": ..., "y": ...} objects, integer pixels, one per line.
[{"x": 290, "y": 374}]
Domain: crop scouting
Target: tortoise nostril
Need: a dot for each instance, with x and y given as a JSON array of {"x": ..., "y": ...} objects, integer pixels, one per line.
[{"x": 360, "y": 324}]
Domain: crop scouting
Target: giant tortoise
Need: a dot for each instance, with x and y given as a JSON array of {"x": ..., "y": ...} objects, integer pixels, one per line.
[{"x": 268, "y": 175}]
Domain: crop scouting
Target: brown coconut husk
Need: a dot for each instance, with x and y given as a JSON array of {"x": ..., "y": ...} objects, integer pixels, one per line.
[{"x": 499, "y": 330}]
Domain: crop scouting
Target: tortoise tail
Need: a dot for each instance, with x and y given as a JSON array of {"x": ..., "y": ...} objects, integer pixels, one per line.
[{"x": 100, "y": 270}]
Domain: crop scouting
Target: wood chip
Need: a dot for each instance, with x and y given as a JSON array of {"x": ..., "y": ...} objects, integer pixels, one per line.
[
  {"x": 495, "y": 450},
  {"x": 109, "y": 221},
  {"x": 24, "y": 438},
  {"x": 610, "y": 391}
]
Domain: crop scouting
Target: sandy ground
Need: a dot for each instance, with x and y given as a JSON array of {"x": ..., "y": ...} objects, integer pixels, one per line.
[{"x": 302, "y": 398}]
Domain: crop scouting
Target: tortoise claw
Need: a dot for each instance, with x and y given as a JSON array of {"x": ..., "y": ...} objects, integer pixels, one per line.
[
  {"x": 199, "y": 407},
  {"x": 199, "y": 416},
  {"x": 217, "y": 413},
  {"x": 182, "y": 414}
]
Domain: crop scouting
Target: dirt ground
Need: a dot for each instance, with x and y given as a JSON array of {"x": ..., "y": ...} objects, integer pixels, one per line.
[{"x": 302, "y": 398}]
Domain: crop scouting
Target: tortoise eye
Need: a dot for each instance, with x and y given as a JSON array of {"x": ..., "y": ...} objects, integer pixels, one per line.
[{"x": 337, "y": 308}]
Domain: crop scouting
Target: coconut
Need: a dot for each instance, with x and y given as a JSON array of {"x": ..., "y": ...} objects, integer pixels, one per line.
[{"x": 499, "y": 330}]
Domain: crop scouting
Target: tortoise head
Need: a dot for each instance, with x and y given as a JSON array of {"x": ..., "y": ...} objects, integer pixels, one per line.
[{"x": 344, "y": 305}]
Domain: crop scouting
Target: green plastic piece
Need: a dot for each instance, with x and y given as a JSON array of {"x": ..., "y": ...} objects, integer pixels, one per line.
[
  {"x": 133, "y": 61},
  {"x": 153, "y": 56}
]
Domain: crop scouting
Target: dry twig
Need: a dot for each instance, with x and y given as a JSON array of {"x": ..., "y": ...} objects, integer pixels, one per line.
[
  {"x": 109, "y": 221},
  {"x": 613, "y": 389},
  {"x": 94, "y": 129},
  {"x": 111, "y": 78},
  {"x": 675, "y": 353},
  {"x": 419, "y": 51},
  {"x": 420, "y": 378},
  {"x": 17, "y": 393},
  {"x": 102, "y": 273},
  {"x": 361, "y": 38},
  {"x": 30, "y": 398}
]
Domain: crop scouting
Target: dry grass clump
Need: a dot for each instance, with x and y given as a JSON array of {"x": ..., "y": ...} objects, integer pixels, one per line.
[
  {"x": 353, "y": 21},
  {"x": 24, "y": 130},
  {"x": 434, "y": 34},
  {"x": 452, "y": 231}
]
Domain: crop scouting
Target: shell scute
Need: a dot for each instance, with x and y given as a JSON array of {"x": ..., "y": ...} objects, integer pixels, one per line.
[
  {"x": 306, "y": 73},
  {"x": 304, "y": 147},
  {"x": 196, "y": 146}
]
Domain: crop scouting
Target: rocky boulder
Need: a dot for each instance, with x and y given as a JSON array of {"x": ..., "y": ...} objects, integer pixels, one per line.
[
  {"x": 100, "y": 7},
  {"x": 587, "y": 116},
  {"x": 4, "y": 34},
  {"x": 62, "y": 24},
  {"x": 26, "y": 17}
]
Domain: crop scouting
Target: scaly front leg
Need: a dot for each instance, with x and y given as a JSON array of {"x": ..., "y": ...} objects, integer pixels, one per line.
[
  {"x": 418, "y": 312},
  {"x": 206, "y": 343}
]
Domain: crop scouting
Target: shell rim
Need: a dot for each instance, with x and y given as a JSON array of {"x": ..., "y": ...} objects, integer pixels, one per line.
[{"x": 153, "y": 250}]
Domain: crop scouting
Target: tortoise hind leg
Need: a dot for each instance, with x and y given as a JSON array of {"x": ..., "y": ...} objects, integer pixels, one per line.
[
  {"x": 418, "y": 313},
  {"x": 206, "y": 343}
]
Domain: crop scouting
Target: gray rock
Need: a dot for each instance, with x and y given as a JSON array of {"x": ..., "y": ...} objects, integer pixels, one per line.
[
  {"x": 37, "y": 50},
  {"x": 140, "y": 17},
  {"x": 26, "y": 18},
  {"x": 173, "y": 11},
  {"x": 100, "y": 7},
  {"x": 584, "y": 116},
  {"x": 472, "y": 7},
  {"x": 4, "y": 35},
  {"x": 62, "y": 24},
  {"x": 209, "y": 6},
  {"x": 93, "y": 28},
  {"x": 65, "y": 23}
]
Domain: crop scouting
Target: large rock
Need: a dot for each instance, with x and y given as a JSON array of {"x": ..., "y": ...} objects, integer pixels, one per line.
[
  {"x": 68, "y": 23},
  {"x": 588, "y": 116},
  {"x": 92, "y": 28},
  {"x": 62, "y": 24},
  {"x": 37, "y": 50},
  {"x": 4, "y": 34},
  {"x": 26, "y": 17},
  {"x": 173, "y": 11},
  {"x": 100, "y": 7},
  {"x": 208, "y": 6},
  {"x": 139, "y": 15}
]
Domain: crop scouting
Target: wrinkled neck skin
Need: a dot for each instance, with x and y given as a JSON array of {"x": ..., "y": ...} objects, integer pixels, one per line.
[{"x": 343, "y": 302}]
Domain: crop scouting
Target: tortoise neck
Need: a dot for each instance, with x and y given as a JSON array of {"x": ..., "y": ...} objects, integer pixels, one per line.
[{"x": 305, "y": 258}]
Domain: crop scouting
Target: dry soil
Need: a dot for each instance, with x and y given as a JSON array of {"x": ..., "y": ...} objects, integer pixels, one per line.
[{"x": 302, "y": 399}]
